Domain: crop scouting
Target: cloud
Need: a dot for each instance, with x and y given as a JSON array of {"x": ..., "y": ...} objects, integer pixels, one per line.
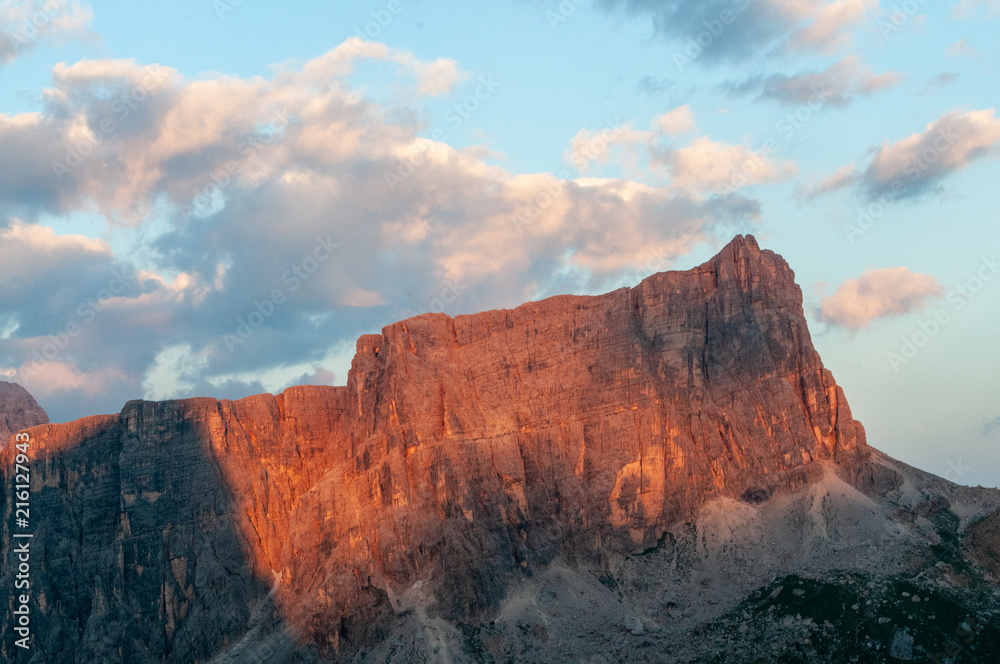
[
  {"x": 279, "y": 218},
  {"x": 844, "y": 177},
  {"x": 81, "y": 325},
  {"x": 733, "y": 30},
  {"x": 438, "y": 77},
  {"x": 879, "y": 293},
  {"x": 61, "y": 377},
  {"x": 918, "y": 163},
  {"x": 678, "y": 121},
  {"x": 839, "y": 84},
  {"x": 962, "y": 48},
  {"x": 24, "y": 24},
  {"x": 226, "y": 389},
  {"x": 991, "y": 426},
  {"x": 938, "y": 83},
  {"x": 706, "y": 164},
  {"x": 829, "y": 23},
  {"x": 115, "y": 134},
  {"x": 599, "y": 146},
  {"x": 318, "y": 376},
  {"x": 701, "y": 166},
  {"x": 433, "y": 77},
  {"x": 58, "y": 266},
  {"x": 968, "y": 8}
]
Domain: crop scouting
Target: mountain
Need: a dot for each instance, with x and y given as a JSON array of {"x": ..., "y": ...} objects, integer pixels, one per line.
[
  {"x": 662, "y": 473},
  {"x": 18, "y": 410}
]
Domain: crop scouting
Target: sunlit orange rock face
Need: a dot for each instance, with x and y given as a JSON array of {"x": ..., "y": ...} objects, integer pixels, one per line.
[{"x": 462, "y": 453}]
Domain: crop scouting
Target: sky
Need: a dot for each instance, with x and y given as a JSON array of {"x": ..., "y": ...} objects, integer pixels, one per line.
[{"x": 217, "y": 197}]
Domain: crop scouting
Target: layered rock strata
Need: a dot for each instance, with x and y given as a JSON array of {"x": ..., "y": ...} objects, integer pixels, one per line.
[{"x": 463, "y": 454}]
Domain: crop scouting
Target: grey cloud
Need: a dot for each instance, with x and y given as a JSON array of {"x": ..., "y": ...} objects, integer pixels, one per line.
[
  {"x": 838, "y": 85},
  {"x": 653, "y": 85},
  {"x": 938, "y": 83},
  {"x": 759, "y": 26},
  {"x": 739, "y": 30},
  {"x": 230, "y": 389}
]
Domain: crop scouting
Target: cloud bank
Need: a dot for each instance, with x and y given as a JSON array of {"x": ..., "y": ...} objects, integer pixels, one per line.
[{"x": 273, "y": 220}]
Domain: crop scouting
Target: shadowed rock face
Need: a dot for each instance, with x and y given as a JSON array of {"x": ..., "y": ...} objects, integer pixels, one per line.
[
  {"x": 18, "y": 410},
  {"x": 983, "y": 541},
  {"x": 463, "y": 454}
]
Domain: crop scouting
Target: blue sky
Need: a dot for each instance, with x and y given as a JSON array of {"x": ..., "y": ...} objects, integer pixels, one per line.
[{"x": 218, "y": 197}]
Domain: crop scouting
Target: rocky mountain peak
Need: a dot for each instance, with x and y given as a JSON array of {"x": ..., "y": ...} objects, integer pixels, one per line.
[
  {"x": 18, "y": 410},
  {"x": 473, "y": 468}
]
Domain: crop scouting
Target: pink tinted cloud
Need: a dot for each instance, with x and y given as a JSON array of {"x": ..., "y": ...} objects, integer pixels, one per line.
[
  {"x": 921, "y": 160},
  {"x": 878, "y": 293}
]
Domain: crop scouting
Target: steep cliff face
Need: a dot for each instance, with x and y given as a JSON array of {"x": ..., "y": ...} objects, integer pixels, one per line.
[
  {"x": 574, "y": 426},
  {"x": 463, "y": 455},
  {"x": 18, "y": 410},
  {"x": 155, "y": 530}
]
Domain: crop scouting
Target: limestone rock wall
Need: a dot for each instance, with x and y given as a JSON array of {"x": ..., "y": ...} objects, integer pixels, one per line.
[{"x": 462, "y": 453}]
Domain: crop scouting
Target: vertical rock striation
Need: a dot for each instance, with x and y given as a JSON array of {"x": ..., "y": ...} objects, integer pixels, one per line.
[{"x": 462, "y": 453}]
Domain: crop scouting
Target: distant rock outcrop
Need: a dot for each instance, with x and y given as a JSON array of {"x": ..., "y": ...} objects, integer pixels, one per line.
[
  {"x": 466, "y": 458},
  {"x": 18, "y": 410}
]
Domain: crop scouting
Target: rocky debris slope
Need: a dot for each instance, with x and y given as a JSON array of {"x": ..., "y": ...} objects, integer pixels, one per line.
[
  {"x": 983, "y": 541},
  {"x": 825, "y": 573},
  {"x": 466, "y": 461},
  {"x": 18, "y": 410}
]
